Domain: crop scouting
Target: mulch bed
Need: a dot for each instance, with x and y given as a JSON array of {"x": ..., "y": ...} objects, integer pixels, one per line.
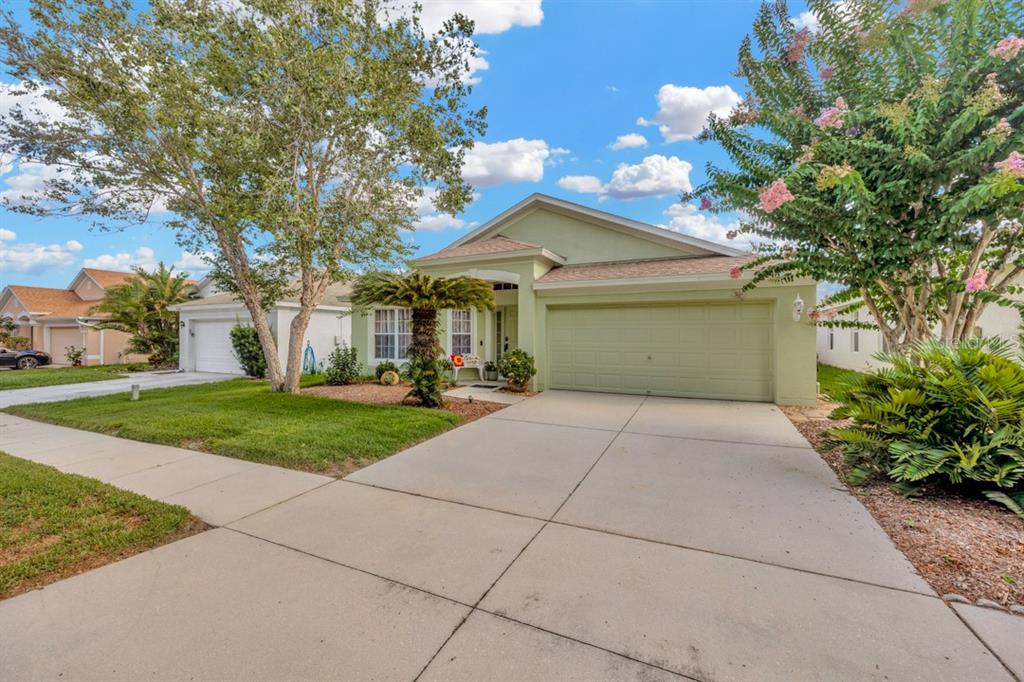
[
  {"x": 378, "y": 394},
  {"x": 958, "y": 544}
]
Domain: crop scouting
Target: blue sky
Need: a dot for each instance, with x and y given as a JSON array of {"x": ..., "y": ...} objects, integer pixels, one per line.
[{"x": 564, "y": 80}]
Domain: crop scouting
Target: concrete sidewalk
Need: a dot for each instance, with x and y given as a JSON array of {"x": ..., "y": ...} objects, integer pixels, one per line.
[
  {"x": 146, "y": 381},
  {"x": 570, "y": 536},
  {"x": 216, "y": 489}
]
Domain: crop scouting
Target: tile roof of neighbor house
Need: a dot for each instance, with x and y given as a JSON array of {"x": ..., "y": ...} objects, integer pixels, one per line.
[
  {"x": 51, "y": 302},
  {"x": 497, "y": 244},
  {"x": 639, "y": 269},
  {"x": 108, "y": 278}
]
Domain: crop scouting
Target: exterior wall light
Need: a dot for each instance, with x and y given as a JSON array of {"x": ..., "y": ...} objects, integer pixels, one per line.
[{"x": 798, "y": 308}]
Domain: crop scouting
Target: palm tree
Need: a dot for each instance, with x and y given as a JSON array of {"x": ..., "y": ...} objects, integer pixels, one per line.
[
  {"x": 140, "y": 307},
  {"x": 424, "y": 295}
]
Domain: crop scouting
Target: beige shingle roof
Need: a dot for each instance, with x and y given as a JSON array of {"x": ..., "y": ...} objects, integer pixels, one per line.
[
  {"x": 336, "y": 291},
  {"x": 639, "y": 269},
  {"x": 484, "y": 246},
  {"x": 51, "y": 302}
]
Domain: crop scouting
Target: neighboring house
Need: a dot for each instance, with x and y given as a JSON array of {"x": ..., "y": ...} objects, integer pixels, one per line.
[
  {"x": 609, "y": 304},
  {"x": 205, "y": 327},
  {"x": 855, "y": 348},
  {"x": 54, "y": 319}
]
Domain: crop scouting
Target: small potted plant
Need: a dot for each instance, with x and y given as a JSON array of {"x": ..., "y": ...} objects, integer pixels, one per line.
[
  {"x": 490, "y": 371},
  {"x": 518, "y": 368}
]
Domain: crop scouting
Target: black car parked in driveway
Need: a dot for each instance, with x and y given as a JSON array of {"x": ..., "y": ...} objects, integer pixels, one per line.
[{"x": 23, "y": 359}]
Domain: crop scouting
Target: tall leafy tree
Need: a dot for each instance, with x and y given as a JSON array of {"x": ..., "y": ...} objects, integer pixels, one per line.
[
  {"x": 882, "y": 151},
  {"x": 141, "y": 307},
  {"x": 292, "y": 140},
  {"x": 425, "y": 296}
]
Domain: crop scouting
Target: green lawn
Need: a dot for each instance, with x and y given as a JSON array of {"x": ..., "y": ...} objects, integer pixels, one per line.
[
  {"x": 53, "y": 524},
  {"x": 55, "y": 376},
  {"x": 243, "y": 419},
  {"x": 833, "y": 379}
]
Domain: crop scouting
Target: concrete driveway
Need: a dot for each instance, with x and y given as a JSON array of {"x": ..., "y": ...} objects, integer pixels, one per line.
[
  {"x": 570, "y": 536},
  {"x": 146, "y": 380}
]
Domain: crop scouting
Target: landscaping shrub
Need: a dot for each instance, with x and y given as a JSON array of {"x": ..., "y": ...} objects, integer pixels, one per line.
[
  {"x": 950, "y": 414},
  {"x": 386, "y": 366},
  {"x": 74, "y": 355},
  {"x": 517, "y": 367},
  {"x": 342, "y": 366},
  {"x": 248, "y": 350}
]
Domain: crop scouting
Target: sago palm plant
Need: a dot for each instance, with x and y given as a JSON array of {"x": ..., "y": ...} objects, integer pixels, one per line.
[
  {"x": 952, "y": 413},
  {"x": 425, "y": 296}
]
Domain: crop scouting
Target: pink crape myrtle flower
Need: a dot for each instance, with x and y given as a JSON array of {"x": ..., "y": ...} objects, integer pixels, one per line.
[
  {"x": 826, "y": 72},
  {"x": 732, "y": 234},
  {"x": 705, "y": 203},
  {"x": 831, "y": 314},
  {"x": 736, "y": 272},
  {"x": 774, "y": 196},
  {"x": 833, "y": 116},
  {"x": 801, "y": 39},
  {"x": 814, "y": 315},
  {"x": 976, "y": 282},
  {"x": 1008, "y": 48},
  {"x": 1013, "y": 164}
]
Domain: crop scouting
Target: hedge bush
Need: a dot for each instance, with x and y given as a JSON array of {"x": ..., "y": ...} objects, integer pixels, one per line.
[
  {"x": 951, "y": 414},
  {"x": 246, "y": 344},
  {"x": 342, "y": 366}
]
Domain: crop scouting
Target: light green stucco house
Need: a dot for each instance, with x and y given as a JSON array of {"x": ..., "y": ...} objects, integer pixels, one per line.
[{"x": 609, "y": 304}]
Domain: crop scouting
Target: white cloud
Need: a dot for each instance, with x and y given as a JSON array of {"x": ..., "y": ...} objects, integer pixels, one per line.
[
  {"x": 437, "y": 222},
  {"x": 73, "y": 245},
  {"x": 490, "y": 16},
  {"x": 32, "y": 103},
  {"x": 7, "y": 235},
  {"x": 34, "y": 259},
  {"x": 28, "y": 182},
  {"x": 688, "y": 219},
  {"x": 192, "y": 264},
  {"x": 143, "y": 257},
  {"x": 655, "y": 176},
  {"x": 584, "y": 184},
  {"x": 611, "y": 88},
  {"x": 477, "y": 63},
  {"x": 629, "y": 141},
  {"x": 518, "y": 160},
  {"x": 808, "y": 20},
  {"x": 683, "y": 110}
]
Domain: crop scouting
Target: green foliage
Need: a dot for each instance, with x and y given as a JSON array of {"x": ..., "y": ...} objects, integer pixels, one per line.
[
  {"x": 141, "y": 308},
  {"x": 342, "y": 366},
  {"x": 834, "y": 380},
  {"x": 385, "y": 366},
  {"x": 74, "y": 355},
  {"x": 211, "y": 107},
  {"x": 889, "y": 128},
  {"x": 490, "y": 366},
  {"x": 425, "y": 295},
  {"x": 248, "y": 350},
  {"x": 518, "y": 367},
  {"x": 951, "y": 414},
  {"x": 16, "y": 342}
]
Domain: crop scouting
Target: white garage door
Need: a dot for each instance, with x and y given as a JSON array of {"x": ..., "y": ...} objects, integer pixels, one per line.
[
  {"x": 719, "y": 351},
  {"x": 212, "y": 347}
]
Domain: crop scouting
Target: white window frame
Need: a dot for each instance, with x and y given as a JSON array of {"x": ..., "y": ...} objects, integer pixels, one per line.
[
  {"x": 472, "y": 331},
  {"x": 395, "y": 333}
]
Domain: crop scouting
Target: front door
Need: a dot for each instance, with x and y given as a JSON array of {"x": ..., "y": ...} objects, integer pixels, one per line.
[{"x": 506, "y": 330}]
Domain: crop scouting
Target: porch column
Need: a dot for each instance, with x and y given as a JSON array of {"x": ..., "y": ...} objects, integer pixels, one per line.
[{"x": 525, "y": 314}]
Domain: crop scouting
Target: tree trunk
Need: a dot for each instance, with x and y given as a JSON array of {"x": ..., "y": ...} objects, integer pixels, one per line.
[
  {"x": 424, "y": 334},
  {"x": 296, "y": 333}
]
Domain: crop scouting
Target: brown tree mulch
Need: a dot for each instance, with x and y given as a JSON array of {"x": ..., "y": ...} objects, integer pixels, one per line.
[
  {"x": 379, "y": 394},
  {"x": 959, "y": 545}
]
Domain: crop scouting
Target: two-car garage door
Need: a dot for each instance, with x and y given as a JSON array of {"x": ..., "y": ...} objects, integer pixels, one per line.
[{"x": 698, "y": 351}]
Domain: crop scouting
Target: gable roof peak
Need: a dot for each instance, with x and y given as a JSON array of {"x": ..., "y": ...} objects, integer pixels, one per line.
[{"x": 639, "y": 229}]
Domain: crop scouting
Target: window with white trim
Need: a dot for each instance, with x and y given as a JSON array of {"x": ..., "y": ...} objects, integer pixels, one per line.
[
  {"x": 855, "y": 343},
  {"x": 392, "y": 333},
  {"x": 462, "y": 332}
]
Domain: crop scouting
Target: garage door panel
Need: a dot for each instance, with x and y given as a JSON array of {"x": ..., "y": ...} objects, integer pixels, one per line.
[
  {"x": 212, "y": 347},
  {"x": 714, "y": 351}
]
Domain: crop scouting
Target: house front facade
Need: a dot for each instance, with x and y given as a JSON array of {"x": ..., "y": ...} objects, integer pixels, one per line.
[
  {"x": 609, "y": 304},
  {"x": 54, "y": 320}
]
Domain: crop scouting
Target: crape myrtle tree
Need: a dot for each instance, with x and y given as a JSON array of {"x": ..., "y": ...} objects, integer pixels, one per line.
[
  {"x": 882, "y": 151},
  {"x": 291, "y": 140},
  {"x": 425, "y": 296}
]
